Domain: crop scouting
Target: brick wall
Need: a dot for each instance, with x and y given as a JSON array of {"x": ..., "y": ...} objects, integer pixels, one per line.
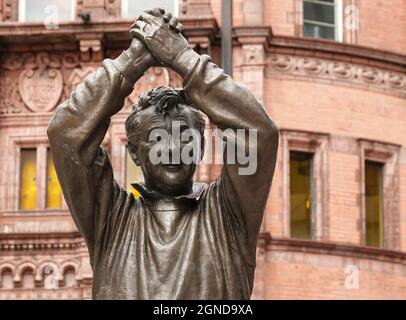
[
  {"x": 341, "y": 112},
  {"x": 315, "y": 276},
  {"x": 383, "y": 25}
]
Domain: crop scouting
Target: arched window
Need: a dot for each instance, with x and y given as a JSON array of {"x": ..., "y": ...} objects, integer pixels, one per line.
[
  {"x": 27, "y": 279},
  {"x": 7, "y": 279},
  {"x": 69, "y": 277}
]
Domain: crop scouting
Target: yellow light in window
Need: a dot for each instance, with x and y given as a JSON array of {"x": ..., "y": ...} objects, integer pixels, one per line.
[
  {"x": 133, "y": 174},
  {"x": 28, "y": 179},
  {"x": 300, "y": 195},
  {"x": 54, "y": 191},
  {"x": 373, "y": 203}
]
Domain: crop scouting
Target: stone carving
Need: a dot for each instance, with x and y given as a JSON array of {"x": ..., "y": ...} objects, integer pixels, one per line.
[
  {"x": 77, "y": 76},
  {"x": 342, "y": 70},
  {"x": 35, "y": 81},
  {"x": 8, "y": 10},
  {"x": 253, "y": 54},
  {"x": 91, "y": 50},
  {"x": 100, "y": 8},
  {"x": 40, "y": 89},
  {"x": 373, "y": 78},
  {"x": 10, "y": 100}
]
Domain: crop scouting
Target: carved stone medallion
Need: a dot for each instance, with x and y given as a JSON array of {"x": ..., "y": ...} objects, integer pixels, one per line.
[{"x": 40, "y": 89}]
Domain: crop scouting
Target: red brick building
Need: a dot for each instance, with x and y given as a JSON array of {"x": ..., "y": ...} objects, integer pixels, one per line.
[{"x": 332, "y": 73}]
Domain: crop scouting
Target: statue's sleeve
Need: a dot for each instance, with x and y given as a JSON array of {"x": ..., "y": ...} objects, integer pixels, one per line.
[
  {"x": 75, "y": 133},
  {"x": 231, "y": 105}
]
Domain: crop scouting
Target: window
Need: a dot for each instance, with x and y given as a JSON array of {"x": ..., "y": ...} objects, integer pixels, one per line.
[
  {"x": 28, "y": 179},
  {"x": 27, "y": 279},
  {"x": 133, "y": 174},
  {"x": 7, "y": 279},
  {"x": 380, "y": 195},
  {"x": 322, "y": 19},
  {"x": 373, "y": 204},
  {"x": 133, "y": 8},
  {"x": 69, "y": 278},
  {"x": 54, "y": 191},
  {"x": 305, "y": 184},
  {"x": 39, "y": 185},
  {"x": 42, "y": 10},
  {"x": 300, "y": 195}
]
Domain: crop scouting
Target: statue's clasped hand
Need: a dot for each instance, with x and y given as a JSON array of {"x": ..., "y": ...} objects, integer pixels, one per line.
[{"x": 161, "y": 34}]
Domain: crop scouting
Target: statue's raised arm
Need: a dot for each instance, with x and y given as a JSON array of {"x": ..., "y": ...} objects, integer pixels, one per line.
[{"x": 77, "y": 129}]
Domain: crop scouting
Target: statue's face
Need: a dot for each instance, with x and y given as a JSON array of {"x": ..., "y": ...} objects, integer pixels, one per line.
[{"x": 157, "y": 137}]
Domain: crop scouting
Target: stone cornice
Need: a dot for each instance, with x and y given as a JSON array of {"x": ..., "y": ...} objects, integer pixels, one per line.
[
  {"x": 21, "y": 119},
  {"x": 22, "y": 34},
  {"x": 338, "y": 51},
  {"x": 200, "y": 27},
  {"x": 41, "y": 241},
  {"x": 253, "y": 35},
  {"x": 15, "y": 33},
  {"x": 338, "y": 249},
  {"x": 353, "y": 72},
  {"x": 321, "y": 48},
  {"x": 28, "y": 214}
]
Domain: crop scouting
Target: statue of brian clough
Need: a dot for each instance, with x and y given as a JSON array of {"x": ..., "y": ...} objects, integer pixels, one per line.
[{"x": 180, "y": 239}]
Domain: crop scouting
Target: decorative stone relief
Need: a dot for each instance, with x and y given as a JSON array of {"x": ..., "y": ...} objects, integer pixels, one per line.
[
  {"x": 354, "y": 74},
  {"x": 10, "y": 100},
  {"x": 253, "y": 54},
  {"x": 34, "y": 81},
  {"x": 99, "y": 8},
  {"x": 91, "y": 50},
  {"x": 8, "y": 10},
  {"x": 40, "y": 89},
  {"x": 77, "y": 76}
]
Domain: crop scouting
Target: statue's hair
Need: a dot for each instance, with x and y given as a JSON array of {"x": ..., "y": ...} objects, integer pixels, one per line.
[{"x": 163, "y": 99}]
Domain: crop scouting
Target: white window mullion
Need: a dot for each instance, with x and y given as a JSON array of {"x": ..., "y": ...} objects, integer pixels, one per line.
[
  {"x": 21, "y": 10},
  {"x": 339, "y": 20},
  {"x": 73, "y": 14}
]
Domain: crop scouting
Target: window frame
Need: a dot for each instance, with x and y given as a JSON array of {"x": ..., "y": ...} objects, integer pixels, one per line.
[
  {"x": 317, "y": 145},
  {"x": 388, "y": 156},
  {"x": 41, "y": 146},
  {"x": 48, "y": 149},
  {"x": 20, "y": 181},
  {"x": 312, "y": 194},
  {"x": 338, "y": 15},
  {"x": 125, "y": 3},
  {"x": 382, "y": 209},
  {"x": 22, "y": 16}
]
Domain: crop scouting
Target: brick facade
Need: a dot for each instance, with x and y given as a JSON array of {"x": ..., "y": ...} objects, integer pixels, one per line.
[{"x": 343, "y": 101}]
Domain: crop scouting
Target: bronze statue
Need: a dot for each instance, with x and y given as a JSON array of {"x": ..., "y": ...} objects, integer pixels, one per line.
[{"x": 179, "y": 240}]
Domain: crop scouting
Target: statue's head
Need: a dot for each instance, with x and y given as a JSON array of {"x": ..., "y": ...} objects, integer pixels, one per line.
[{"x": 165, "y": 132}]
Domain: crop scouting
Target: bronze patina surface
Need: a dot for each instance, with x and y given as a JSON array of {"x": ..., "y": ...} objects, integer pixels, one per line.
[{"x": 180, "y": 239}]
